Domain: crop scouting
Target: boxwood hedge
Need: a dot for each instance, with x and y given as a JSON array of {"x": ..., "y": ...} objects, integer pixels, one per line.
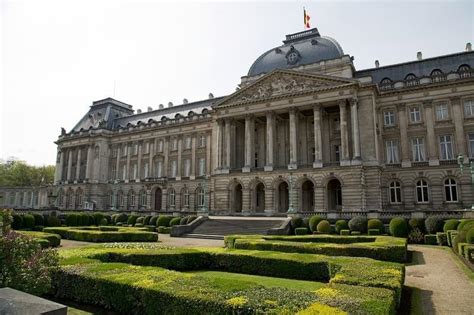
[{"x": 99, "y": 235}]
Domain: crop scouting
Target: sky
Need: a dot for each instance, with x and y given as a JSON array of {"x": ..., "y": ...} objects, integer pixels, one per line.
[{"x": 57, "y": 57}]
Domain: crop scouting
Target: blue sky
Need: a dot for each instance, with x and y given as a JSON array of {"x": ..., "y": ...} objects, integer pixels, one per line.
[{"x": 57, "y": 57}]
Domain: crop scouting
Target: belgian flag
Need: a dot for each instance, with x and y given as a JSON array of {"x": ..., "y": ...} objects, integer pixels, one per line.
[{"x": 306, "y": 19}]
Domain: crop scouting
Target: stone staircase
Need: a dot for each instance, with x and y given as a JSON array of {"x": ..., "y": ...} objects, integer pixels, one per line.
[{"x": 217, "y": 228}]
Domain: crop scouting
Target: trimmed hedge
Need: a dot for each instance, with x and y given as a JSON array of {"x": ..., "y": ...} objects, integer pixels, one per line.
[
  {"x": 434, "y": 224},
  {"x": 153, "y": 220},
  {"x": 430, "y": 239},
  {"x": 464, "y": 222},
  {"x": 191, "y": 218},
  {"x": 164, "y": 229},
  {"x": 324, "y": 227},
  {"x": 358, "y": 223},
  {"x": 147, "y": 220},
  {"x": 45, "y": 239},
  {"x": 375, "y": 224},
  {"x": 28, "y": 221},
  {"x": 71, "y": 219},
  {"x": 101, "y": 236},
  {"x": 441, "y": 238},
  {"x": 398, "y": 227},
  {"x": 341, "y": 225},
  {"x": 301, "y": 231},
  {"x": 417, "y": 223},
  {"x": 373, "y": 232},
  {"x": 470, "y": 236},
  {"x": 314, "y": 221},
  {"x": 164, "y": 220},
  {"x": 53, "y": 221},
  {"x": 450, "y": 224},
  {"x": 39, "y": 219},
  {"x": 132, "y": 219},
  {"x": 175, "y": 221},
  {"x": 451, "y": 235},
  {"x": 345, "y": 232},
  {"x": 17, "y": 222}
]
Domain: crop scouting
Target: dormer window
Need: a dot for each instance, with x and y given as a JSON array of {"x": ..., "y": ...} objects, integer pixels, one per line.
[
  {"x": 411, "y": 80},
  {"x": 464, "y": 71},
  {"x": 386, "y": 84},
  {"x": 437, "y": 76}
]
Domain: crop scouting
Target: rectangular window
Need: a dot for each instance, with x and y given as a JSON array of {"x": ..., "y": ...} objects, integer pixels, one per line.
[
  {"x": 114, "y": 152},
  {"x": 446, "y": 147},
  {"x": 113, "y": 173},
  {"x": 174, "y": 168},
  {"x": 469, "y": 108},
  {"x": 202, "y": 141},
  {"x": 135, "y": 171},
  {"x": 418, "y": 149},
  {"x": 159, "y": 169},
  {"x": 188, "y": 143},
  {"x": 336, "y": 153},
  {"x": 187, "y": 167},
  {"x": 392, "y": 151},
  {"x": 160, "y": 146},
  {"x": 146, "y": 148},
  {"x": 442, "y": 112},
  {"x": 471, "y": 145},
  {"x": 389, "y": 118},
  {"x": 124, "y": 150},
  {"x": 145, "y": 170},
  {"x": 135, "y": 149},
  {"x": 174, "y": 145},
  {"x": 202, "y": 166},
  {"x": 124, "y": 172},
  {"x": 415, "y": 114}
]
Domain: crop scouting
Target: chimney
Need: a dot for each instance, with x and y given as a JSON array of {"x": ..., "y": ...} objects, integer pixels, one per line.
[
  {"x": 211, "y": 96},
  {"x": 149, "y": 108},
  {"x": 185, "y": 101},
  {"x": 161, "y": 106},
  {"x": 377, "y": 64},
  {"x": 419, "y": 56},
  {"x": 170, "y": 104},
  {"x": 468, "y": 47},
  {"x": 139, "y": 111}
]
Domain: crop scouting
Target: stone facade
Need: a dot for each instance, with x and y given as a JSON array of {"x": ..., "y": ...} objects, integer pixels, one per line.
[{"x": 312, "y": 135}]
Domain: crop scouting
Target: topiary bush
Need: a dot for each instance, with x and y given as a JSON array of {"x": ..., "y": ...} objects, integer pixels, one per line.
[
  {"x": 53, "y": 221},
  {"x": 314, "y": 221},
  {"x": 398, "y": 227},
  {"x": 164, "y": 220},
  {"x": 175, "y": 221},
  {"x": 355, "y": 233},
  {"x": 28, "y": 221},
  {"x": 301, "y": 231},
  {"x": 416, "y": 223},
  {"x": 470, "y": 236},
  {"x": 373, "y": 232},
  {"x": 191, "y": 218},
  {"x": 296, "y": 222},
  {"x": 416, "y": 236},
  {"x": 184, "y": 220},
  {"x": 83, "y": 219},
  {"x": 121, "y": 218},
  {"x": 441, "y": 238},
  {"x": 464, "y": 222},
  {"x": 430, "y": 239},
  {"x": 324, "y": 227},
  {"x": 72, "y": 219},
  {"x": 462, "y": 233},
  {"x": 358, "y": 223},
  {"x": 450, "y": 224},
  {"x": 147, "y": 220},
  {"x": 132, "y": 219},
  {"x": 153, "y": 220},
  {"x": 97, "y": 218},
  {"x": 433, "y": 224},
  {"x": 39, "y": 220},
  {"x": 345, "y": 232},
  {"x": 341, "y": 225},
  {"x": 164, "y": 229},
  {"x": 140, "y": 220},
  {"x": 103, "y": 221},
  {"x": 375, "y": 224},
  {"x": 17, "y": 222}
]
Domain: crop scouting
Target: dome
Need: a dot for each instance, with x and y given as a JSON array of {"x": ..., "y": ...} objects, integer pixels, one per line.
[{"x": 298, "y": 49}]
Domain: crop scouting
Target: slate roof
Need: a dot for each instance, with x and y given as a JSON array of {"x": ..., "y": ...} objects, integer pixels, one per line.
[{"x": 420, "y": 68}]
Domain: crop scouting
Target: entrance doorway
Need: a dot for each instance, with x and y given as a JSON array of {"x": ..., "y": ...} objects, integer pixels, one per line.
[
  {"x": 237, "y": 198},
  {"x": 260, "y": 197},
  {"x": 307, "y": 196},
  {"x": 282, "y": 198},
  {"x": 158, "y": 198},
  {"x": 334, "y": 195}
]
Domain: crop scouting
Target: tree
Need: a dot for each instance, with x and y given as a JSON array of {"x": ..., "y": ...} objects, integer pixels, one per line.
[{"x": 18, "y": 173}]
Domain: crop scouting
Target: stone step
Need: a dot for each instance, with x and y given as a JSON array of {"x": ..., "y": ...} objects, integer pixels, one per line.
[
  {"x": 221, "y": 227},
  {"x": 204, "y": 236}
]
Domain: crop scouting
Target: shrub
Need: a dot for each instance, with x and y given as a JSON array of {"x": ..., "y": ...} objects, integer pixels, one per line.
[
  {"x": 83, "y": 219},
  {"x": 375, "y": 224},
  {"x": 306, "y": 223},
  {"x": 355, "y": 233},
  {"x": 191, "y": 218},
  {"x": 430, "y": 239},
  {"x": 164, "y": 229},
  {"x": 345, "y": 232},
  {"x": 433, "y": 224},
  {"x": 451, "y": 234},
  {"x": 416, "y": 236},
  {"x": 324, "y": 227},
  {"x": 39, "y": 220},
  {"x": 103, "y": 221},
  {"x": 358, "y": 223},
  {"x": 175, "y": 221},
  {"x": 464, "y": 222},
  {"x": 140, "y": 220},
  {"x": 98, "y": 218},
  {"x": 314, "y": 221},
  {"x": 17, "y": 222},
  {"x": 108, "y": 218},
  {"x": 38, "y": 228},
  {"x": 296, "y": 222},
  {"x": 147, "y": 220},
  {"x": 184, "y": 220},
  {"x": 450, "y": 224},
  {"x": 121, "y": 218},
  {"x": 416, "y": 223},
  {"x": 108, "y": 228},
  {"x": 71, "y": 219},
  {"x": 104, "y": 236},
  {"x": 341, "y": 225},
  {"x": 398, "y": 227},
  {"x": 301, "y": 231},
  {"x": 138, "y": 224},
  {"x": 53, "y": 221},
  {"x": 164, "y": 220},
  {"x": 441, "y": 238},
  {"x": 24, "y": 265},
  {"x": 153, "y": 220},
  {"x": 28, "y": 221},
  {"x": 462, "y": 233},
  {"x": 373, "y": 232},
  {"x": 132, "y": 219},
  {"x": 470, "y": 236}
]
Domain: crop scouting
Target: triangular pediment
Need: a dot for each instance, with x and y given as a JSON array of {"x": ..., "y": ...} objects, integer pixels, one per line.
[{"x": 281, "y": 83}]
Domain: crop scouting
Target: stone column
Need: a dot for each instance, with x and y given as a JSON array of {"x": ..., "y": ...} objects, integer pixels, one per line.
[
  {"x": 117, "y": 165},
  {"x": 193, "y": 156},
  {"x": 293, "y": 139},
  {"x": 430, "y": 134},
  {"x": 69, "y": 166},
  {"x": 220, "y": 143},
  {"x": 78, "y": 164},
  {"x": 270, "y": 141},
  {"x": 355, "y": 130},
  {"x": 344, "y": 135},
  {"x": 404, "y": 148},
  {"x": 228, "y": 144},
  {"x": 249, "y": 143},
  {"x": 129, "y": 154},
  {"x": 208, "y": 154},
  {"x": 165, "y": 161},
  {"x": 150, "y": 159},
  {"x": 60, "y": 167},
  {"x": 89, "y": 162},
  {"x": 180, "y": 155},
  {"x": 459, "y": 128},
  {"x": 318, "y": 147},
  {"x": 139, "y": 162}
]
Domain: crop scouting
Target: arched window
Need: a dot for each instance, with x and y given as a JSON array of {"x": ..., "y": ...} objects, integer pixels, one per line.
[
  {"x": 60, "y": 198},
  {"x": 142, "y": 199},
  {"x": 200, "y": 197},
  {"x": 395, "y": 192},
  {"x": 411, "y": 80},
  {"x": 185, "y": 198},
  {"x": 171, "y": 197},
  {"x": 450, "y": 190},
  {"x": 386, "y": 84},
  {"x": 69, "y": 196},
  {"x": 121, "y": 199},
  {"x": 79, "y": 199},
  {"x": 464, "y": 71},
  {"x": 422, "y": 191},
  {"x": 111, "y": 199},
  {"x": 131, "y": 198},
  {"x": 437, "y": 75}
]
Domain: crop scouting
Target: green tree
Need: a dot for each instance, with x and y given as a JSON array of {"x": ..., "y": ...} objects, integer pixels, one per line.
[{"x": 18, "y": 173}]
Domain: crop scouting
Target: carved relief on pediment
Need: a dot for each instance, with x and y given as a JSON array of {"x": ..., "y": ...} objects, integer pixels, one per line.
[{"x": 279, "y": 85}]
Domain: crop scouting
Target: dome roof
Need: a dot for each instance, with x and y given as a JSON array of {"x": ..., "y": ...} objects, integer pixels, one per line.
[{"x": 299, "y": 49}]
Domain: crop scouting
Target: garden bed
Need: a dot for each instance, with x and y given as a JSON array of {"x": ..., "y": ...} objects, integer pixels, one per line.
[
  {"x": 377, "y": 247},
  {"x": 45, "y": 239},
  {"x": 224, "y": 281},
  {"x": 104, "y": 234}
]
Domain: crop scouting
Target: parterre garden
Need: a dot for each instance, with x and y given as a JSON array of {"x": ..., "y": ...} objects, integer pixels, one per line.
[{"x": 353, "y": 267}]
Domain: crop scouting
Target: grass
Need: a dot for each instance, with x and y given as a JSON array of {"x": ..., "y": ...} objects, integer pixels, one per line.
[{"x": 269, "y": 282}]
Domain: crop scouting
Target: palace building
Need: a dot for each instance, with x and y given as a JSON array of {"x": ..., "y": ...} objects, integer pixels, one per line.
[{"x": 305, "y": 131}]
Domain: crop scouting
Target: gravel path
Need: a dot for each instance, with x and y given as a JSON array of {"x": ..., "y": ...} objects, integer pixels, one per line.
[{"x": 444, "y": 288}]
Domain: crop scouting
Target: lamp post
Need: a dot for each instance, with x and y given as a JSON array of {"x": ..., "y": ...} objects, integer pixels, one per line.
[
  {"x": 460, "y": 159},
  {"x": 291, "y": 209}
]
